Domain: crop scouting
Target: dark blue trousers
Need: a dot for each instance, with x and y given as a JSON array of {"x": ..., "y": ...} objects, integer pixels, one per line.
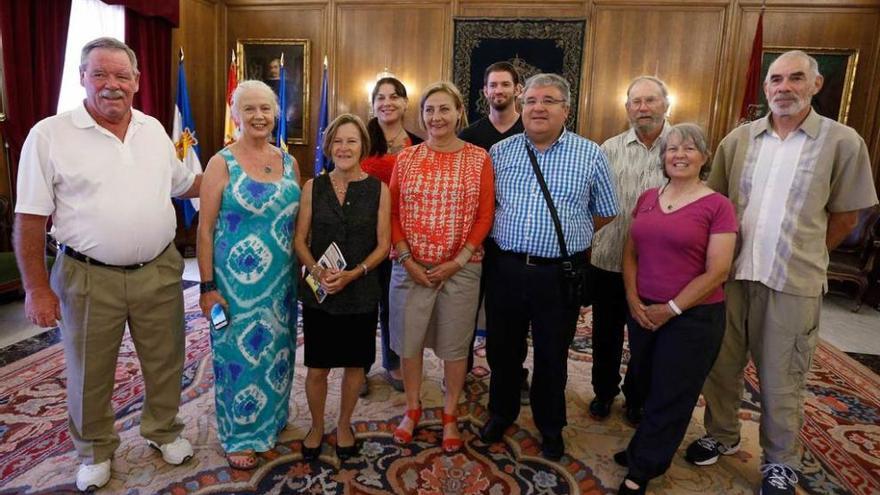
[
  {"x": 517, "y": 296},
  {"x": 678, "y": 357},
  {"x": 609, "y": 317}
]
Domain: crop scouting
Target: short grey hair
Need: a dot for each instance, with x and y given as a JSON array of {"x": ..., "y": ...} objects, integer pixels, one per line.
[
  {"x": 688, "y": 132},
  {"x": 254, "y": 85},
  {"x": 664, "y": 91},
  {"x": 542, "y": 80},
  {"x": 812, "y": 62},
  {"x": 107, "y": 43}
]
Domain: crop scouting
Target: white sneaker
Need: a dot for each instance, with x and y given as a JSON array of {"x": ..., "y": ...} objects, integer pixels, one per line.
[
  {"x": 176, "y": 452},
  {"x": 92, "y": 476}
]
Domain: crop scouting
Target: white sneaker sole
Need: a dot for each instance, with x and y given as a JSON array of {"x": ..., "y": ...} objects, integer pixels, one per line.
[{"x": 155, "y": 446}]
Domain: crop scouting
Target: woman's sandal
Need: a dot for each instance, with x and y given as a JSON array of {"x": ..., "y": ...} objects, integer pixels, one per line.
[
  {"x": 311, "y": 453},
  {"x": 243, "y": 461},
  {"x": 348, "y": 451},
  {"x": 450, "y": 445},
  {"x": 402, "y": 435}
]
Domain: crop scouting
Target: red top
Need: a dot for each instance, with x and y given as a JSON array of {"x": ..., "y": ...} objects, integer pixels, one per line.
[
  {"x": 382, "y": 166},
  {"x": 671, "y": 247},
  {"x": 442, "y": 200}
]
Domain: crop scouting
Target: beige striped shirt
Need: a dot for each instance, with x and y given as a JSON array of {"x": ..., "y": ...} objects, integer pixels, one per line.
[{"x": 634, "y": 169}]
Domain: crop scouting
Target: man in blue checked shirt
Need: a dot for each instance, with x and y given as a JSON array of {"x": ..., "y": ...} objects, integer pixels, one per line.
[{"x": 524, "y": 275}]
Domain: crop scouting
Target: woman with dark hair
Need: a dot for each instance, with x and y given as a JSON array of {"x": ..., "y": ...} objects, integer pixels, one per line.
[
  {"x": 350, "y": 209},
  {"x": 387, "y": 137},
  {"x": 675, "y": 261}
]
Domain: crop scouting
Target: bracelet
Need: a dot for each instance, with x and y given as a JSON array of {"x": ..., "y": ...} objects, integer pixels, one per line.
[
  {"x": 463, "y": 257},
  {"x": 315, "y": 268},
  {"x": 207, "y": 286},
  {"x": 364, "y": 266},
  {"x": 401, "y": 258},
  {"x": 674, "y": 307}
]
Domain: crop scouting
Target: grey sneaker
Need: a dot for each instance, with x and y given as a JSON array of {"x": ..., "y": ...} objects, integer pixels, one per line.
[
  {"x": 706, "y": 450},
  {"x": 779, "y": 479}
]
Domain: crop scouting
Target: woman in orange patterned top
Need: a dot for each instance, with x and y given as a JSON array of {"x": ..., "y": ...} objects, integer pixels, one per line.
[
  {"x": 442, "y": 207},
  {"x": 387, "y": 138}
]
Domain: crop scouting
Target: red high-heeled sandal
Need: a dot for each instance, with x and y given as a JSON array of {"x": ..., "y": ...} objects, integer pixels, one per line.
[
  {"x": 450, "y": 445},
  {"x": 405, "y": 436}
]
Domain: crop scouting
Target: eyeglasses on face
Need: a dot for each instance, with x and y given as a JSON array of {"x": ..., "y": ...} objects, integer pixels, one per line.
[{"x": 546, "y": 102}]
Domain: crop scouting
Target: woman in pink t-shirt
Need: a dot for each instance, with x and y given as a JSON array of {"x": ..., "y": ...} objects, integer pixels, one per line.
[{"x": 675, "y": 260}]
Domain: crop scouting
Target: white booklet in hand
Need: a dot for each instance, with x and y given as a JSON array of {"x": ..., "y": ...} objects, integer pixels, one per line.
[{"x": 332, "y": 258}]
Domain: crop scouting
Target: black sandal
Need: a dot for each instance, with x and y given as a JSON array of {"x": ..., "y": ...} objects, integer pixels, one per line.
[
  {"x": 348, "y": 451},
  {"x": 311, "y": 453}
]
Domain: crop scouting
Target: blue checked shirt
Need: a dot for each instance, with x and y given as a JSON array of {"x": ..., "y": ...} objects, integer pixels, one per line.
[{"x": 578, "y": 177}]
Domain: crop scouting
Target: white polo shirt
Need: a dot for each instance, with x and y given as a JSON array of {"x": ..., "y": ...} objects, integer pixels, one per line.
[{"x": 109, "y": 199}]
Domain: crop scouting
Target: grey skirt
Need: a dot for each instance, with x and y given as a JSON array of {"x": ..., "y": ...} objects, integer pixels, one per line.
[{"x": 440, "y": 319}]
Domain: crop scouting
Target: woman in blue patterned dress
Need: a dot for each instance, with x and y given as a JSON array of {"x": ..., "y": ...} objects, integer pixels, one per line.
[{"x": 249, "y": 201}]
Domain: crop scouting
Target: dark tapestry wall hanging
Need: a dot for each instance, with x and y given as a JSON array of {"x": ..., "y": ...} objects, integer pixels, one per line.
[{"x": 532, "y": 46}]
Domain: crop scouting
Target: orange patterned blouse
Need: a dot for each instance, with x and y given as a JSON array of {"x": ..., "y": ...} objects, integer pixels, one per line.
[{"x": 442, "y": 200}]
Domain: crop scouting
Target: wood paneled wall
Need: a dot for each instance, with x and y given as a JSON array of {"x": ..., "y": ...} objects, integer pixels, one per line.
[{"x": 700, "y": 47}]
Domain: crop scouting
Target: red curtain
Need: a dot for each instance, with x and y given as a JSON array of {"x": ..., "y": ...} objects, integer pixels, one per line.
[
  {"x": 34, "y": 40},
  {"x": 753, "y": 75},
  {"x": 166, "y": 9},
  {"x": 150, "y": 38}
]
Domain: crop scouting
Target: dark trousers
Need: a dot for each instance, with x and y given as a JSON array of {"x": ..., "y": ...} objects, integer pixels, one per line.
[
  {"x": 390, "y": 359},
  {"x": 609, "y": 316},
  {"x": 518, "y": 295},
  {"x": 470, "y": 358},
  {"x": 678, "y": 357}
]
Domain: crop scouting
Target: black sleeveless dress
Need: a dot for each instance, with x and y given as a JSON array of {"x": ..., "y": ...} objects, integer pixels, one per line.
[{"x": 341, "y": 331}]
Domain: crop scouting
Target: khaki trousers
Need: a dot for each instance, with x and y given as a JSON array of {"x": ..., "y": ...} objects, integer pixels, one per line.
[
  {"x": 96, "y": 304},
  {"x": 780, "y": 332}
]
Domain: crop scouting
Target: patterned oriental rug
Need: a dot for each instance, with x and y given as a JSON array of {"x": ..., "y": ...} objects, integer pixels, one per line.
[{"x": 36, "y": 455}]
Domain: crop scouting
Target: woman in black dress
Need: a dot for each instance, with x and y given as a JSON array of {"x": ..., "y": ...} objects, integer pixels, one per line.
[{"x": 351, "y": 209}]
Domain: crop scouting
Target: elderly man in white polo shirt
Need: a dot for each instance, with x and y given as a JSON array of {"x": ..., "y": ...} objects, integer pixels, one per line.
[
  {"x": 798, "y": 181},
  {"x": 105, "y": 173}
]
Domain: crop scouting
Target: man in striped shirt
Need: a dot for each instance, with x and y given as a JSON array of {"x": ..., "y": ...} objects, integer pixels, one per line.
[
  {"x": 634, "y": 158},
  {"x": 798, "y": 181},
  {"x": 524, "y": 283}
]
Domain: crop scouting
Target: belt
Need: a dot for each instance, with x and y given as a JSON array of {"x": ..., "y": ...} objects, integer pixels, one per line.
[
  {"x": 73, "y": 253},
  {"x": 578, "y": 258}
]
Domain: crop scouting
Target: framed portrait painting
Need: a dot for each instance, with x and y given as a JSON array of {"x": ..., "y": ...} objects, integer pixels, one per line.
[
  {"x": 260, "y": 58},
  {"x": 838, "y": 68}
]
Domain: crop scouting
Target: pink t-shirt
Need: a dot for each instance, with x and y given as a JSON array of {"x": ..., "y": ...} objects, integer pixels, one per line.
[{"x": 671, "y": 247}]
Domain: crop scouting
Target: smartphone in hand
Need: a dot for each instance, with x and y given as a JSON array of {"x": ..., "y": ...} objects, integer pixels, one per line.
[{"x": 218, "y": 316}]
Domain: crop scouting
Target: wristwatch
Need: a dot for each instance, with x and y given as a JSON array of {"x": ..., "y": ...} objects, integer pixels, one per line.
[{"x": 207, "y": 286}]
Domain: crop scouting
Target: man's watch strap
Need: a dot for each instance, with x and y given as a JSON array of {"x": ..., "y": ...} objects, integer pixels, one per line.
[{"x": 207, "y": 286}]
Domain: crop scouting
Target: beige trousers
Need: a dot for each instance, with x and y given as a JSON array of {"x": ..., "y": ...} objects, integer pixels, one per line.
[
  {"x": 96, "y": 304},
  {"x": 780, "y": 332}
]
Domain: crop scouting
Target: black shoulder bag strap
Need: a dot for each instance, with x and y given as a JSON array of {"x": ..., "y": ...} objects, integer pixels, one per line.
[{"x": 553, "y": 214}]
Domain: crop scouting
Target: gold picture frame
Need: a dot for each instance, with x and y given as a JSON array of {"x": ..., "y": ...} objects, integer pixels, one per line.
[
  {"x": 838, "y": 68},
  {"x": 257, "y": 60}
]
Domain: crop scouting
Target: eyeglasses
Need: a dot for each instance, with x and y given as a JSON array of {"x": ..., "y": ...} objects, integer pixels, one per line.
[
  {"x": 649, "y": 101},
  {"x": 546, "y": 102}
]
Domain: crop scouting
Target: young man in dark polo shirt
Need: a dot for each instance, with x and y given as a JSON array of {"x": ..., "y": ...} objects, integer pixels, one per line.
[{"x": 502, "y": 85}]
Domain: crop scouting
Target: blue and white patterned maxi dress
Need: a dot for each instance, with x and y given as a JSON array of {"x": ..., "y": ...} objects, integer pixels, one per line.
[{"x": 254, "y": 268}]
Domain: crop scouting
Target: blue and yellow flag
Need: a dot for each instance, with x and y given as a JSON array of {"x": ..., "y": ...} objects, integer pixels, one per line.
[
  {"x": 185, "y": 140},
  {"x": 281, "y": 129},
  {"x": 322, "y": 163}
]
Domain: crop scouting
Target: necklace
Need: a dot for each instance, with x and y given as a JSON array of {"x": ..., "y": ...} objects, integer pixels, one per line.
[
  {"x": 342, "y": 189},
  {"x": 393, "y": 146},
  {"x": 671, "y": 201}
]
